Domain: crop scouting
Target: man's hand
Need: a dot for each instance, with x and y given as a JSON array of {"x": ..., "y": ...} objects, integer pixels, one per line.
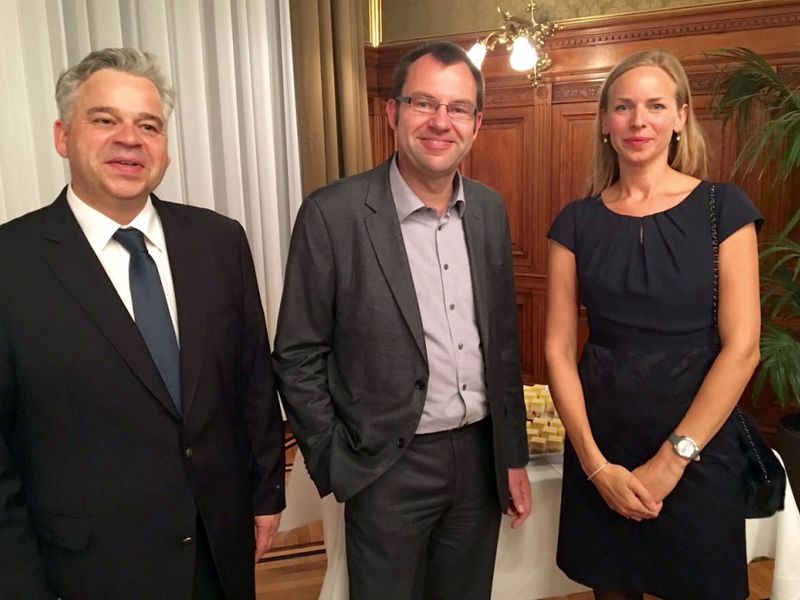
[
  {"x": 266, "y": 526},
  {"x": 519, "y": 504}
]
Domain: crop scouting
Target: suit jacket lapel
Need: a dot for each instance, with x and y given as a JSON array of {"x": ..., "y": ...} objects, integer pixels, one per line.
[
  {"x": 75, "y": 264},
  {"x": 384, "y": 232},
  {"x": 186, "y": 259},
  {"x": 475, "y": 233}
]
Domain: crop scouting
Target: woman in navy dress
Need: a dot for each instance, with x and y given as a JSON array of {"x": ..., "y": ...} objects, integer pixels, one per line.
[{"x": 654, "y": 389}]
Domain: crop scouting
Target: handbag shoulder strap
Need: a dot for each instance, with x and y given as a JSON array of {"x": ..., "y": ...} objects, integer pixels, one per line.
[{"x": 712, "y": 208}]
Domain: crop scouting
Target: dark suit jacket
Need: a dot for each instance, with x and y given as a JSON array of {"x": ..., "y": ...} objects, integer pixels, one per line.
[
  {"x": 350, "y": 349},
  {"x": 100, "y": 479}
]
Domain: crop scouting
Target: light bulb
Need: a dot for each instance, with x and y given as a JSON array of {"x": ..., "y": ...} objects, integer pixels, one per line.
[
  {"x": 523, "y": 55},
  {"x": 477, "y": 53}
]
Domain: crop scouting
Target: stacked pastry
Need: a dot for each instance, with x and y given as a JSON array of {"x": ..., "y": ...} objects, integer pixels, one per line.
[{"x": 545, "y": 431}]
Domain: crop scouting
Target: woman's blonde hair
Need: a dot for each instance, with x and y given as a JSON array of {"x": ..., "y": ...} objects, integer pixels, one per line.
[{"x": 687, "y": 155}]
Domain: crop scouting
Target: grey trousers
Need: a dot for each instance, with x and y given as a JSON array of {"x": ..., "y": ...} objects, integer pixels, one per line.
[{"x": 427, "y": 528}]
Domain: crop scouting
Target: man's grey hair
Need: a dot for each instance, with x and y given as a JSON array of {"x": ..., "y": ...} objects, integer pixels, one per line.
[{"x": 127, "y": 60}]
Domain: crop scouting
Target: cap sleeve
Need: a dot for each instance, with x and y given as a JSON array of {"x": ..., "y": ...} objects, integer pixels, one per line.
[
  {"x": 735, "y": 210},
  {"x": 563, "y": 229}
]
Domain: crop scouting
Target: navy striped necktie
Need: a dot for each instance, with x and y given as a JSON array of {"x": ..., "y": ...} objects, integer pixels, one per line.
[{"x": 150, "y": 311}]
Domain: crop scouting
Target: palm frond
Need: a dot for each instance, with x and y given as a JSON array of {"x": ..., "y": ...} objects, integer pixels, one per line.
[
  {"x": 790, "y": 225},
  {"x": 767, "y": 111},
  {"x": 751, "y": 86},
  {"x": 780, "y": 363},
  {"x": 780, "y": 279}
]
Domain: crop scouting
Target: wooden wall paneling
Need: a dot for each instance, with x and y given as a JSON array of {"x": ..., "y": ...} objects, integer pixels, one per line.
[
  {"x": 542, "y": 184},
  {"x": 513, "y": 144},
  {"x": 381, "y": 133},
  {"x": 573, "y": 138},
  {"x": 526, "y": 320},
  {"x": 720, "y": 143},
  {"x": 542, "y": 180},
  {"x": 500, "y": 158},
  {"x": 534, "y": 291}
]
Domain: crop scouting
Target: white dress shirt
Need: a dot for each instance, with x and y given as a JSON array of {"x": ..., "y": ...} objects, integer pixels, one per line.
[{"x": 98, "y": 229}]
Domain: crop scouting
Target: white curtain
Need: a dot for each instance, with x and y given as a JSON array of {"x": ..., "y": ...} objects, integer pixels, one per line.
[{"x": 233, "y": 137}]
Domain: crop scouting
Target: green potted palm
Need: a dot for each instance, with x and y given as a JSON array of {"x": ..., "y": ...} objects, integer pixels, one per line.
[{"x": 767, "y": 108}]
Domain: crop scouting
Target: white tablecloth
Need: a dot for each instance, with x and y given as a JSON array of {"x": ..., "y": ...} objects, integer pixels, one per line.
[
  {"x": 779, "y": 537},
  {"x": 526, "y": 568}
]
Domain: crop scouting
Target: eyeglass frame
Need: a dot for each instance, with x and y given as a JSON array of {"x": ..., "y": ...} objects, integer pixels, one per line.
[{"x": 436, "y": 104}]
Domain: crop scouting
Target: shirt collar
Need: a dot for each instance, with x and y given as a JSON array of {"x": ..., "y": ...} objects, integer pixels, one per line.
[
  {"x": 407, "y": 202},
  {"x": 98, "y": 228}
]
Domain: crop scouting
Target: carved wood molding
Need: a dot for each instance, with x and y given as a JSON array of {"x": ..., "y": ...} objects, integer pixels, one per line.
[
  {"x": 700, "y": 83},
  {"x": 693, "y": 22},
  {"x": 520, "y": 96},
  {"x": 703, "y": 83},
  {"x": 575, "y": 92}
]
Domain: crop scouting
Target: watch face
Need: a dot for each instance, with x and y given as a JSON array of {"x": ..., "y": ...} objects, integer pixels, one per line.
[{"x": 685, "y": 448}]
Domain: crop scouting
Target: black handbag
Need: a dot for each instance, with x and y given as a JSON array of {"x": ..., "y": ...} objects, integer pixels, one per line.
[{"x": 764, "y": 477}]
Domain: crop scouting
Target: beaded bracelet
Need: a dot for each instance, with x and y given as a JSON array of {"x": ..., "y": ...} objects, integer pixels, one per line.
[{"x": 597, "y": 470}]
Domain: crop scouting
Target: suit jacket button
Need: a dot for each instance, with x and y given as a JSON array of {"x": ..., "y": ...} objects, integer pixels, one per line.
[
  {"x": 419, "y": 384},
  {"x": 401, "y": 442},
  {"x": 187, "y": 541},
  {"x": 189, "y": 452}
]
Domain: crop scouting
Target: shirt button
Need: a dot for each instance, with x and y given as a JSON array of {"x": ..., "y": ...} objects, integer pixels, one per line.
[
  {"x": 439, "y": 228},
  {"x": 446, "y": 266},
  {"x": 419, "y": 384},
  {"x": 463, "y": 386},
  {"x": 189, "y": 452},
  {"x": 401, "y": 442},
  {"x": 187, "y": 541},
  {"x": 452, "y": 307},
  {"x": 461, "y": 346}
]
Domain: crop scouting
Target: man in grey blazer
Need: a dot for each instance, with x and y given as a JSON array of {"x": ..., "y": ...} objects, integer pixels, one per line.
[{"x": 397, "y": 348}]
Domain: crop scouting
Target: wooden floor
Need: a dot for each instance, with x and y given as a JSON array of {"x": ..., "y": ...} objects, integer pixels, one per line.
[
  {"x": 300, "y": 578},
  {"x": 295, "y": 578}
]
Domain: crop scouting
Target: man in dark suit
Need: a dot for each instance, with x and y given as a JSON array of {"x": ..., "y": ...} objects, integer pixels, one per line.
[
  {"x": 397, "y": 349},
  {"x": 141, "y": 443}
]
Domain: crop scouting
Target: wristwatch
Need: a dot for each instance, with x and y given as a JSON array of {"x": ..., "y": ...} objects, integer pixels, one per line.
[{"x": 684, "y": 446}]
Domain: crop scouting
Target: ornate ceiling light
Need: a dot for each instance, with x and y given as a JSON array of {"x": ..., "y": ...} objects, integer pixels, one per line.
[{"x": 523, "y": 38}]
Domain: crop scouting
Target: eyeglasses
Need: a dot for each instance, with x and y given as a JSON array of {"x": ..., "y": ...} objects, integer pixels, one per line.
[{"x": 457, "y": 111}]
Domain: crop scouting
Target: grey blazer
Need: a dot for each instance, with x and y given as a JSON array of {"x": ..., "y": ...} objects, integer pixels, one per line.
[{"x": 350, "y": 349}]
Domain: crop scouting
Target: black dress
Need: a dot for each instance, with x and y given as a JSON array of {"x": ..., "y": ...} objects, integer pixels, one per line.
[{"x": 646, "y": 283}]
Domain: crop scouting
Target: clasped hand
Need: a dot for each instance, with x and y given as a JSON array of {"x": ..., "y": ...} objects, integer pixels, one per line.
[{"x": 638, "y": 494}]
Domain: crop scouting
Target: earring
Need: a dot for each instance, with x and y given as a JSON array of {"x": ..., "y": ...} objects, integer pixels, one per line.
[
  {"x": 605, "y": 139},
  {"x": 677, "y": 136}
]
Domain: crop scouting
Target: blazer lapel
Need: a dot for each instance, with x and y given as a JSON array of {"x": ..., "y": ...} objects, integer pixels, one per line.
[
  {"x": 383, "y": 228},
  {"x": 475, "y": 232},
  {"x": 186, "y": 259},
  {"x": 75, "y": 264}
]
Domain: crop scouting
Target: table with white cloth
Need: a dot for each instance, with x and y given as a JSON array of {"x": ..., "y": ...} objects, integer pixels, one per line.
[{"x": 525, "y": 568}]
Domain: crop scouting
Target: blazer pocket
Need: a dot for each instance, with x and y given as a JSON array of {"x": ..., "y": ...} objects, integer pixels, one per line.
[{"x": 63, "y": 531}]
